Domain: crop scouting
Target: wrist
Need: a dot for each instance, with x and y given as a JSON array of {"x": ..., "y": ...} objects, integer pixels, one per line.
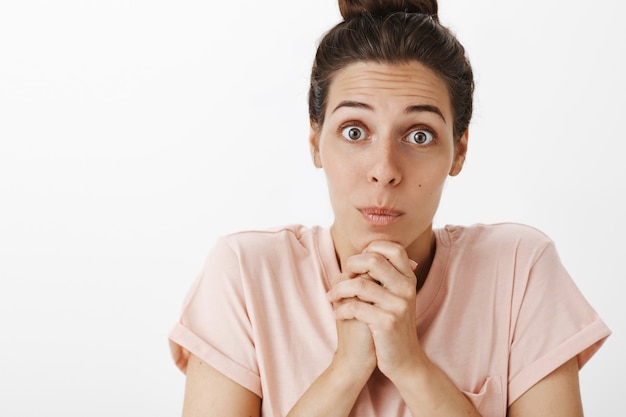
[
  {"x": 420, "y": 375},
  {"x": 428, "y": 391},
  {"x": 333, "y": 393},
  {"x": 408, "y": 369},
  {"x": 352, "y": 369}
]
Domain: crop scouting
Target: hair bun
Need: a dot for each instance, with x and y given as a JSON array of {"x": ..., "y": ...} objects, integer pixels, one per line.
[{"x": 352, "y": 8}]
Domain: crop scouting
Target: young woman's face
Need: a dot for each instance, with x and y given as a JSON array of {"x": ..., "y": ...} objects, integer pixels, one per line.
[{"x": 386, "y": 147}]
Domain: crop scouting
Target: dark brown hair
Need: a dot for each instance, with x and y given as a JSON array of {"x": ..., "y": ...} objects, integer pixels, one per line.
[{"x": 393, "y": 32}]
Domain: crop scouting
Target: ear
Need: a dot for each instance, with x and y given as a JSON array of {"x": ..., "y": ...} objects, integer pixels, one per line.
[
  {"x": 314, "y": 141},
  {"x": 459, "y": 154}
]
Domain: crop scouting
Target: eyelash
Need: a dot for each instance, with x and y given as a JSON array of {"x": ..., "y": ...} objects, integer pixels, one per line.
[
  {"x": 424, "y": 129},
  {"x": 360, "y": 125},
  {"x": 350, "y": 124}
]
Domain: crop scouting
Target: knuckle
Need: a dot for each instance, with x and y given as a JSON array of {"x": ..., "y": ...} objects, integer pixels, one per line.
[
  {"x": 350, "y": 263},
  {"x": 401, "y": 307},
  {"x": 346, "y": 310},
  {"x": 397, "y": 250},
  {"x": 355, "y": 308},
  {"x": 388, "y": 322},
  {"x": 358, "y": 286},
  {"x": 361, "y": 285},
  {"x": 373, "y": 260},
  {"x": 407, "y": 290}
]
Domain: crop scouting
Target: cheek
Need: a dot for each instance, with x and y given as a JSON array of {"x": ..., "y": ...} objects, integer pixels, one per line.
[
  {"x": 339, "y": 179},
  {"x": 339, "y": 169},
  {"x": 430, "y": 176}
]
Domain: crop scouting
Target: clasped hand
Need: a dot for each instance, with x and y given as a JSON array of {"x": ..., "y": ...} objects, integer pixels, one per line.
[{"x": 374, "y": 305}]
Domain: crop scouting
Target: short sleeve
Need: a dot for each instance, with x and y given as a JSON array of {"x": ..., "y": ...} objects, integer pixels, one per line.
[
  {"x": 214, "y": 324},
  {"x": 552, "y": 323}
]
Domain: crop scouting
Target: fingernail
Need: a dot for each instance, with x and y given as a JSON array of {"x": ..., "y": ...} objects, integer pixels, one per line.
[{"x": 413, "y": 264}]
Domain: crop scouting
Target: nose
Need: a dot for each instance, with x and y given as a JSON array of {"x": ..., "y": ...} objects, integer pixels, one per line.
[{"x": 384, "y": 167}]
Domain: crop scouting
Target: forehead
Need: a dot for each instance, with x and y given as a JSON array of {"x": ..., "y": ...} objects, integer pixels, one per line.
[{"x": 406, "y": 83}]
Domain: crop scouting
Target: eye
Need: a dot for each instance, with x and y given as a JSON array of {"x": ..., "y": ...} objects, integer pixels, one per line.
[
  {"x": 420, "y": 137},
  {"x": 353, "y": 133}
]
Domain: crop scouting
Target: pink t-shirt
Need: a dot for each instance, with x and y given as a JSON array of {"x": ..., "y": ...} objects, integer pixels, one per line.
[{"x": 497, "y": 313}]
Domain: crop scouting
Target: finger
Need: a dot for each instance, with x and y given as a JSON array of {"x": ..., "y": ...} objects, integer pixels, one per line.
[
  {"x": 368, "y": 292},
  {"x": 363, "y": 288},
  {"x": 395, "y": 253},
  {"x": 362, "y": 311},
  {"x": 343, "y": 276},
  {"x": 373, "y": 264},
  {"x": 337, "y": 282},
  {"x": 382, "y": 270}
]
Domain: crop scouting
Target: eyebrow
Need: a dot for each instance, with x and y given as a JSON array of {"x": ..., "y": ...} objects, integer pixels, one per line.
[
  {"x": 426, "y": 108},
  {"x": 418, "y": 108},
  {"x": 353, "y": 104}
]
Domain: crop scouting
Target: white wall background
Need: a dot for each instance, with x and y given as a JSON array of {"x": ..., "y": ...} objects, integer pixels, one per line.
[{"x": 133, "y": 133}]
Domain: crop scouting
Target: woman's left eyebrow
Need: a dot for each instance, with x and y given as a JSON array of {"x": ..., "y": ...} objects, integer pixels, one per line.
[{"x": 418, "y": 108}]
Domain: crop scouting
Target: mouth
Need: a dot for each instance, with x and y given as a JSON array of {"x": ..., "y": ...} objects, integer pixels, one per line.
[{"x": 380, "y": 216}]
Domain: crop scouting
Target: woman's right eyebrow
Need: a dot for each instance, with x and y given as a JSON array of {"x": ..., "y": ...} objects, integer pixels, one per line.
[{"x": 353, "y": 104}]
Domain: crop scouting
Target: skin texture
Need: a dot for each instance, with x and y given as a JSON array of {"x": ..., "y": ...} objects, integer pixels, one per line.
[
  {"x": 387, "y": 143},
  {"x": 384, "y": 168},
  {"x": 209, "y": 393}
]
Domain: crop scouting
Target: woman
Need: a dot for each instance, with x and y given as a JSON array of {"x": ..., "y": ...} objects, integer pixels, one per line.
[{"x": 380, "y": 315}]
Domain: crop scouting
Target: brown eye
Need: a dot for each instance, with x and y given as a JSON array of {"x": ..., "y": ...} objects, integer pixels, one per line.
[
  {"x": 420, "y": 137},
  {"x": 353, "y": 133}
]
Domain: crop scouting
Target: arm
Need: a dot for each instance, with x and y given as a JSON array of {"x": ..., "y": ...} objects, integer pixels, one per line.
[
  {"x": 335, "y": 391},
  {"x": 332, "y": 394},
  {"x": 388, "y": 309},
  {"x": 556, "y": 395},
  {"x": 210, "y": 393},
  {"x": 428, "y": 391}
]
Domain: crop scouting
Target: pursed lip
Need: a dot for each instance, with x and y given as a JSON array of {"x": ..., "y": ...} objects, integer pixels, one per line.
[{"x": 380, "y": 216}]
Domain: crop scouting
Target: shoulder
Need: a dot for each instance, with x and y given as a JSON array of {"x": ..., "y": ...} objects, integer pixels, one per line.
[
  {"x": 265, "y": 242},
  {"x": 246, "y": 255},
  {"x": 496, "y": 238},
  {"x": 494, "y": 233}
]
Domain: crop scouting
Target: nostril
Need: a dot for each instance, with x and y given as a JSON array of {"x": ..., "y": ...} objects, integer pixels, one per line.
[{"x": 390, "y": 182}]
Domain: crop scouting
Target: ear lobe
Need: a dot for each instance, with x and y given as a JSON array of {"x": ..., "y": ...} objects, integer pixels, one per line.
[
  {"x": 457, "y": 165},
  {"x": 316, "y": 158},
  {"x": 314, "y": 145},
  {"x": 459, "y": 154}
]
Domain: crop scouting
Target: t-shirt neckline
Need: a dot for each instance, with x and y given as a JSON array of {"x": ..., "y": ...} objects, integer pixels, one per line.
[{"x": 426, "y": 296}]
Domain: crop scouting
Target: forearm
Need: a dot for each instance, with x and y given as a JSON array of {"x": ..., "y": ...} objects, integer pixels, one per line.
[
  {"x": 428, "y": 391},
  {"x": 332, "y": 394}
]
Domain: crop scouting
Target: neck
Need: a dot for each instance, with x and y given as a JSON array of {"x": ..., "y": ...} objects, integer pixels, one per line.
[{"x": 424, "y": 256}]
